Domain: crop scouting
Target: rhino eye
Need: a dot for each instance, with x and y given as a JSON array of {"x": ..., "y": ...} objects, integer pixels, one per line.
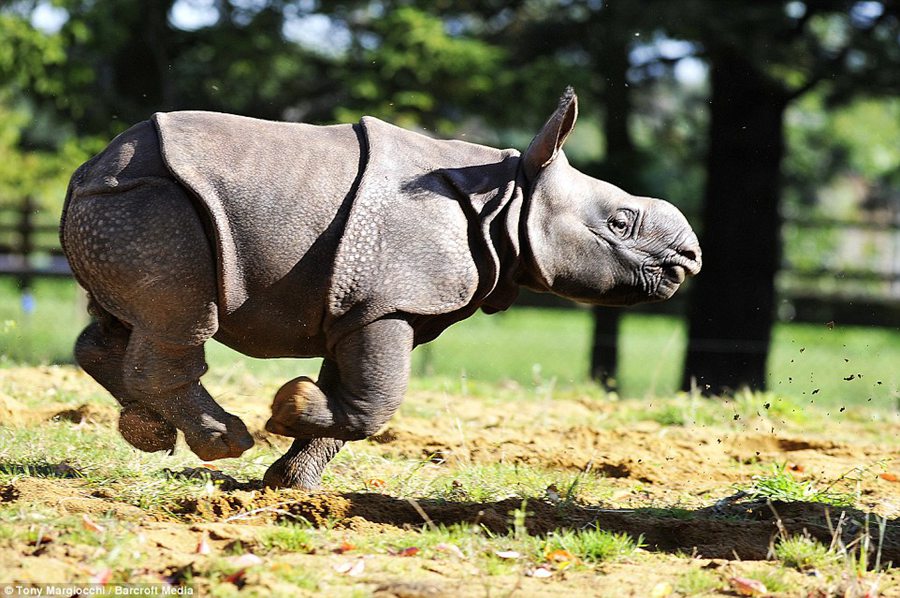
[{"x": 620, "y": 222}]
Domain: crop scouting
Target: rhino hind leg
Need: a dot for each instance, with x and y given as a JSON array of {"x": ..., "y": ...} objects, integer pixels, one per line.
[
  {"x": 100, "y": 351},
  {"x": 144, "y": 257},
  {"x": 167, "y": 377}
]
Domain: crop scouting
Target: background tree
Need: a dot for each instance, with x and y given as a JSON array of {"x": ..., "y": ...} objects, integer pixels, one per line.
[
  {"x": 763, "y": 56},
  {"x": 485, "y": 70}
]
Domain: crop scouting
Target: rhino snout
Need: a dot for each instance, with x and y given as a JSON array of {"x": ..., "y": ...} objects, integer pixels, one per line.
[
  {"x": 686, "y": 261},
  {"x": 680, "y": 260}
]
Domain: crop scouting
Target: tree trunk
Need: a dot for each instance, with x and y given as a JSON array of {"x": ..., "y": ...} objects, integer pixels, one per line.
[
  {"x": 619, "y": 168},
  {"x": 732, "y": 301}
]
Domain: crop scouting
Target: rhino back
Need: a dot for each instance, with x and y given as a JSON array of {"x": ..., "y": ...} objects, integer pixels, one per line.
[{"x": 277, "y": 195}]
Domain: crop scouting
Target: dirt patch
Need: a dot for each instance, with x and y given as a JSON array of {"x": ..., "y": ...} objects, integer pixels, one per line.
[
  {"x": 66, "y": 496},
  {"x": 676, "y": 459},
  {"x": 674, "y": 487}
]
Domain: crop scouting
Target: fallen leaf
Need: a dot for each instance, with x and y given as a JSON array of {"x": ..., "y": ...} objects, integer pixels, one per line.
[
  {"x": 203, "y": 544},
  {"x": 450, "y": 548},
  {"x": 245, "y": 560},
  {"x": 561, "y": 556},
  {"x": 889, "y": 477},
  {"x": 747, "y": 587},
  {"x": 351, "y": 568},
  {"x": 64, "y": 470},
  {"x": 210, "y": 466},
  {"x": 409, "y": 551},
  {"x": 541, "y": 572},
  {"x": 42, "y": 538},
  {"x": 661, "y": 590},
  {"x": 89, "y": 524},
  {"x": 508, "y": 554},
  {"x": 375, "y": 483},
  {"x": 553, "y": 494},
  {"x": 101, "y": 577},
  {"x": 237, "y": 578},
  {"x": 344, "y": 547}
]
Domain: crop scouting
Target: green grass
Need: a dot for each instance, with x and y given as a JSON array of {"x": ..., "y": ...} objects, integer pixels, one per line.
[
  {"x": 803, "y": 553},
  {"x": 592, "y": 545},
  {"x": 304, "y": 558},
  {"x": 289, "y": 538},
  {"x": 697, "y": 582},
  {"x": 537, "y": 348},
  {"x": 781, "y": 485}
]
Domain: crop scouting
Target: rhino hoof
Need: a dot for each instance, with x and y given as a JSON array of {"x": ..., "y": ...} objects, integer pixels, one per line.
[
  {"x": 290, "y": 405},
  {"x": 210, "y": 442},
  {"x": 146, "y": 430},
  {"x": 281, "y": 476}
]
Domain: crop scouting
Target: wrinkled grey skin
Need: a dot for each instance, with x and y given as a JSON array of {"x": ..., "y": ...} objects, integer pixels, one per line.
[{"x": 350, "y": 242}]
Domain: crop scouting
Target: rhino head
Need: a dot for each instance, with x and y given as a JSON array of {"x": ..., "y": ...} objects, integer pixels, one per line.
[{"x": 590, "y": 241}]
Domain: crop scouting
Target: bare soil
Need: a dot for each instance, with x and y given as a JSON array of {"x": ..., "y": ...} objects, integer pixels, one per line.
[{"x": 652, "y": 469}]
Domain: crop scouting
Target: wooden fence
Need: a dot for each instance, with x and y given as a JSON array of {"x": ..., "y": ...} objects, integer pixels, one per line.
[{"x": 29, "y": 244}]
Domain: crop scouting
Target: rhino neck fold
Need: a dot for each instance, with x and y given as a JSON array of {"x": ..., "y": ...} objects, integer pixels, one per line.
[{"x": 505, "y": 238}]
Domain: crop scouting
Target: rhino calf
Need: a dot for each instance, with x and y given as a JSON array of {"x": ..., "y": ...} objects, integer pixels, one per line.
[{"x": 354, "y": 243}]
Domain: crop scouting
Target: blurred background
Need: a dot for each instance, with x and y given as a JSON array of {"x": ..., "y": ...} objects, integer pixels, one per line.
[{"x": 774, "y": 125}]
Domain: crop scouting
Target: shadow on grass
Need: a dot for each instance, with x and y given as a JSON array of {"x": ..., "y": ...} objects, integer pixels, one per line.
[
  {"x": 40, "y": 470},
  {"x": 744, "y": 530}
]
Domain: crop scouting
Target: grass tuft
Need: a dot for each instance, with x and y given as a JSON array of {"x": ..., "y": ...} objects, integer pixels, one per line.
[
  {"x": 593, "y": 545},
  {"x": 803, "y": 553},
  {"x": 781, "y": 485},
  {"x": 289, "y": 538},
  {"x": 697, "y": 581}
]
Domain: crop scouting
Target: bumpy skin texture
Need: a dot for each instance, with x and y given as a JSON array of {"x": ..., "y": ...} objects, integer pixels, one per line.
[{"x": 350, "y": 242}]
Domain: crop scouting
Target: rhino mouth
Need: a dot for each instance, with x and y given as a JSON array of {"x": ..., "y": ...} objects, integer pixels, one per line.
[
  {"x": 675, "y": 273},
  {"x": 676, "y": 268},
  {"x": 662, "y": 280}
]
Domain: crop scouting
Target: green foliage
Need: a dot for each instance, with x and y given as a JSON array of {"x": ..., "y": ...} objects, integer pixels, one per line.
[
  {"x": 415, "y": 73},
  {"x": 26, "y": 57},
  {"x": 41, "y": 174}
]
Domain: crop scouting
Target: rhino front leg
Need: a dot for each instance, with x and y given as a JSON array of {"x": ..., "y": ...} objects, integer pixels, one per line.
[
  {"x": 355, "y": 395},
  {"x": 302, "y": 465},
  {"x": 357, "y": 392}
]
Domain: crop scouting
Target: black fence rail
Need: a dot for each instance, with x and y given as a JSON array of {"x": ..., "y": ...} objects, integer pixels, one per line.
[
  {"x": 858, "y": 280},
  {"x": 29, "y": 244}
]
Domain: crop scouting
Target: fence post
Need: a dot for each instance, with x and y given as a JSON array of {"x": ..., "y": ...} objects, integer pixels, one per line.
[{"x": 26, "y": 241}]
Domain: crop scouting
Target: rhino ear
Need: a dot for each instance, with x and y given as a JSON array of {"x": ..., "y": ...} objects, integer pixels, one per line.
[{"x": 547, "y": 143}]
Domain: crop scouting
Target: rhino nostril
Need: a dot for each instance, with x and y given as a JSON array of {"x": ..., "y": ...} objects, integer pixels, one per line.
[{"x": 688, "y": 254}]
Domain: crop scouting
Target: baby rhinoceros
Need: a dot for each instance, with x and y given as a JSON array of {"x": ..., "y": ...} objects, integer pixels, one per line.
[{"x": 354, "y": 243}]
